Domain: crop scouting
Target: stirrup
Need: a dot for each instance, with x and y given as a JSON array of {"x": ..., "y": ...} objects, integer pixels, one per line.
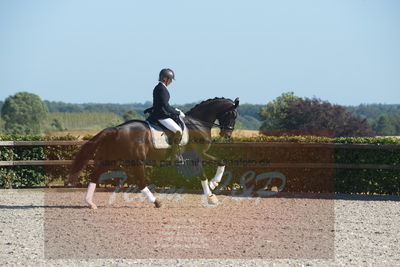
[{"x": 179, "y": 160}]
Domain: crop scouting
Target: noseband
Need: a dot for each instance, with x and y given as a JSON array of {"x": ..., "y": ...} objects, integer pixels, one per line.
[{"x": 228, "y": 126}]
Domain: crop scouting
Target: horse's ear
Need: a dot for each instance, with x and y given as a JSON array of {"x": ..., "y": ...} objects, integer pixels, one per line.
[{"x": 236, "y": 102}]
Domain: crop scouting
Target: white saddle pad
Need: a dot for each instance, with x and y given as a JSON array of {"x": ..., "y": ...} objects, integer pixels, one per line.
[{"x": 160, "y": 139}]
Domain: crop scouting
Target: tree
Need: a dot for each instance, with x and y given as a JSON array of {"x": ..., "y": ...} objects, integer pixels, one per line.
[
  {"x": 309, "y": 114},
  {"x": 57, "y": 124},
  {"x": 129, "y": 115},
  {"x": 250, "y": 110},
  {"x": 23, "y": 113},
  {"x": 273, "y": 114},
  {"x": 385, "y": 126},
  {"x": 294, "y": 113},
  {"x": 248, "y": 122}
]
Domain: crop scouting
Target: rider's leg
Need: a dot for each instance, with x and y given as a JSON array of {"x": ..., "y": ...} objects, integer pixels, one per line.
[
  {"x": 176, "y": 138},
  {"x": 175, "y": 148},
  {"x": 171, "y": 125}
]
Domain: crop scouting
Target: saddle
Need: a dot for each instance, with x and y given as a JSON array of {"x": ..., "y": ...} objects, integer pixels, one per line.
[{"x": 159, "y": 134}]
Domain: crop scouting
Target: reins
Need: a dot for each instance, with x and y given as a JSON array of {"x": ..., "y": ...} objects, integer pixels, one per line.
[{"x": 204, "y": 122}]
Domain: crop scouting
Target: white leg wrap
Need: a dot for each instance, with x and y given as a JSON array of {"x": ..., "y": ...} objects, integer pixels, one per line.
[
  {"x": 206, "y": 189},
  {"x": 147, "y": 193},
  {"x": 217, "y": 178},
  {"x": 90, "y": 192}
]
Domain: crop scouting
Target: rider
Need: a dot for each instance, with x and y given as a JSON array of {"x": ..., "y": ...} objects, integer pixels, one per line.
[{"x": 166, "y": 114}]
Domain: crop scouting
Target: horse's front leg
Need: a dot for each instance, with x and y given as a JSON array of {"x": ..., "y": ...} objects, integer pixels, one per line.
[
  {"x": 219, "y": 173},
  {"x": 211, "y": 198}
]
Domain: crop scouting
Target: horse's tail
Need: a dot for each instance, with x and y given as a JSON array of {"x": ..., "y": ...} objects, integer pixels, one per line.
[{"x": 86, "y": 153}]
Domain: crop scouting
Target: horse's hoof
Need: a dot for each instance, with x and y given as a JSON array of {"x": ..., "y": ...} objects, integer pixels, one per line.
[
  {"x": 212, "y": 200},
  {"x": 157, "y": 204},
  {"x": 92, "y": 206}
]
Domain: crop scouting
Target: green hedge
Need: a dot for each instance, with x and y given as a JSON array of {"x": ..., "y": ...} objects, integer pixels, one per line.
[
  {"x": 30, "y": 176},
  {"x": 379, "y": 181}
]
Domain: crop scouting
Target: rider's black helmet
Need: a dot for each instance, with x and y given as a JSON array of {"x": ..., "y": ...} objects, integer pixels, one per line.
[{"x": 166, "y": 73}]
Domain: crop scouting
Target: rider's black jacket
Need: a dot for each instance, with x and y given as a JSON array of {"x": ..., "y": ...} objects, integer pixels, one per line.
[{"x": 161, "y": 108}]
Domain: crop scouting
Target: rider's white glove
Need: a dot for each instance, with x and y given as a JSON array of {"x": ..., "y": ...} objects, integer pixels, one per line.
[{"x": 181, "y": 114}]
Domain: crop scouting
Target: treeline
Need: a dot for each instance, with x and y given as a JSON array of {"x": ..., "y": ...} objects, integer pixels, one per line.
[
  {"x": 384, "y": 118},
  {"x": 120, "y": 109},
  {"x": 249, "y": 117},
  {"x": 302, "y": 113}
]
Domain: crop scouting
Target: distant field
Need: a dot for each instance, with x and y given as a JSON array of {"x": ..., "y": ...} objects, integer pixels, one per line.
[
  {"x": 238, "y": 133},
  {"x": 214, "y": 132},
  {"x": 77, "y": 133},
  {"x": 82, "y": 120}
]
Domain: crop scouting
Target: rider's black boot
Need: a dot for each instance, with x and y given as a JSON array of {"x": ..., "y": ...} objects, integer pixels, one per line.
[{"x": 174, "y": 152}]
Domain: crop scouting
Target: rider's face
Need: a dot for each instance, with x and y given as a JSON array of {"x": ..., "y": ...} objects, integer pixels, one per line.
[{"x": 168, "y": 81}]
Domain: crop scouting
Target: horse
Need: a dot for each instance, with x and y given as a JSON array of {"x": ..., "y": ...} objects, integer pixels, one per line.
[{"x": 131, "y": 141}]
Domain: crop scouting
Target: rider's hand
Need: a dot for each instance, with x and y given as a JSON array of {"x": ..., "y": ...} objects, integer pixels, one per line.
[{"x": 181, "y": 114}]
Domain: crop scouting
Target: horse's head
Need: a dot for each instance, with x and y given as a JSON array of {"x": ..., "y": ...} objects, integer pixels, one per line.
[
  {"x": 221, "y": 109},
  {"x": 227, "y": 119}
]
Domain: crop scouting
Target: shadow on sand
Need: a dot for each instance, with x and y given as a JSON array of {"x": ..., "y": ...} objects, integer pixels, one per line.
[{"x": 26, "y": 207}]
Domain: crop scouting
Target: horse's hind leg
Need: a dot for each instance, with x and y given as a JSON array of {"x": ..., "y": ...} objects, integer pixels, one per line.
[
  {"x": 139, "y": 173},
  {"x": 92, "y": 185}
]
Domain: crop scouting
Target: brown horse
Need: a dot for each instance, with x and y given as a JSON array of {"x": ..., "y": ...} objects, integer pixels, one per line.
[{"x": 131, "y": 142}]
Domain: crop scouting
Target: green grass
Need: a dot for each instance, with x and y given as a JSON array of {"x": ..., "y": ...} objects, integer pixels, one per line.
[{"x": 83, "y": 120}]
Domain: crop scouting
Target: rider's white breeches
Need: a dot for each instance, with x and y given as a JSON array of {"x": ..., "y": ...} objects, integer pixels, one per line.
[{"x": 171, "y": 124}]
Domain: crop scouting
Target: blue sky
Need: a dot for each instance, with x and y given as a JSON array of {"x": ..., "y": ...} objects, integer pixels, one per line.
[{"x": 343, "y": 51}]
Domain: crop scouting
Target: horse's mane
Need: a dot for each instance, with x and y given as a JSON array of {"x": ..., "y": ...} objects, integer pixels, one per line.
[{"x": 205, "y": 102}]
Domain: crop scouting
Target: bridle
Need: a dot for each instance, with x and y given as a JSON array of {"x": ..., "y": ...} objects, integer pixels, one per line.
[{"x": 230, "y": 124}]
